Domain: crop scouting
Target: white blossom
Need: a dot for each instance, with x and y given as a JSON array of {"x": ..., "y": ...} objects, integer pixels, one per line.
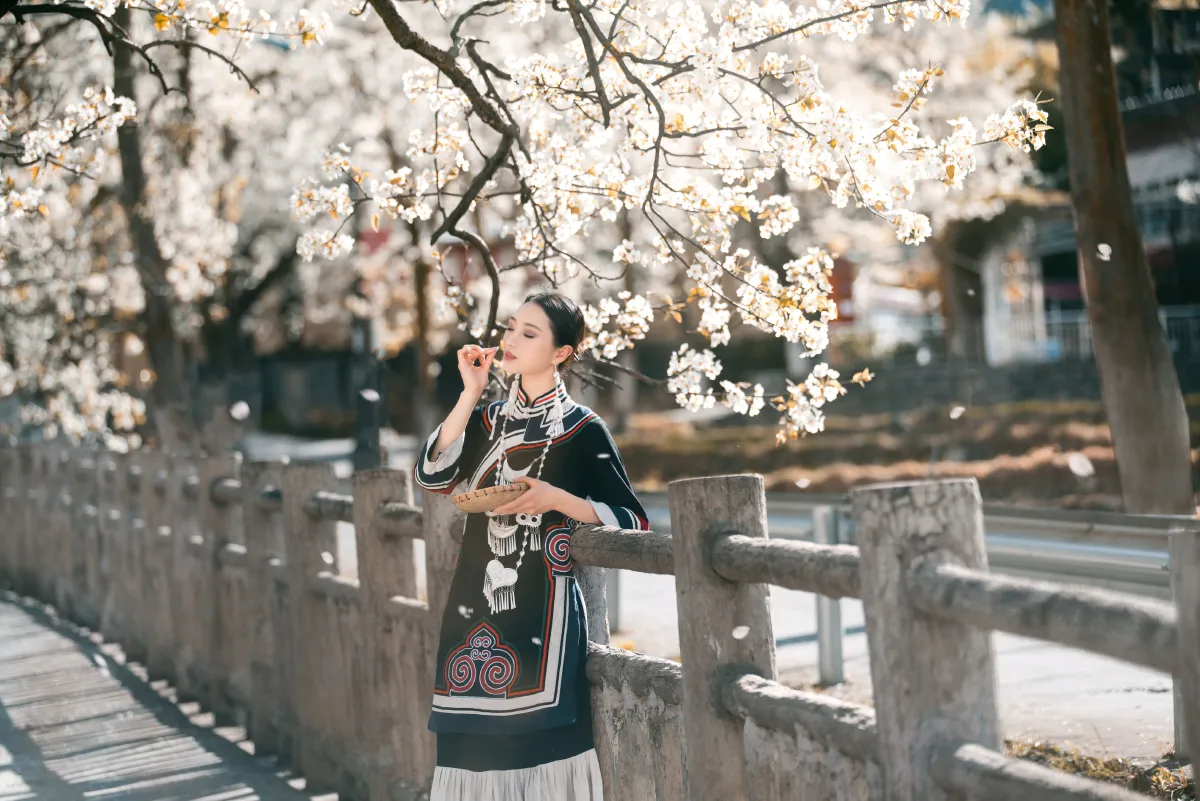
[{"x": 611, "y": 195}]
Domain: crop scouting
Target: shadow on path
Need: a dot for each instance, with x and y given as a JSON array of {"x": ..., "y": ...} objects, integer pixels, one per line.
[{"x": 75, "y": 725}]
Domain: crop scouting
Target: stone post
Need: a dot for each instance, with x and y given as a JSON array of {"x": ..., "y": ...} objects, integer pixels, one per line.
[
  {"x": 934, "y": 679},
  {"x": 307, "y": 538},
  {"x": 391, "y": 731},
  {"x": 264, "y": 543},
  {"x": 724, "y": 626}
]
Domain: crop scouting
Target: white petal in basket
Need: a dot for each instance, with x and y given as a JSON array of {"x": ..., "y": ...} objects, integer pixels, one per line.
[{"x": 499, "y": 585}]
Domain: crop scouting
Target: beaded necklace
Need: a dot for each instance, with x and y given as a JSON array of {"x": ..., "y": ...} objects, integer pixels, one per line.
[{"x": 499, "y": 584}]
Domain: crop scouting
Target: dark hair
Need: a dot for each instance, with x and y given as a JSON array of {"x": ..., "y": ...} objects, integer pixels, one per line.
[{"x": 566, "y": 321}]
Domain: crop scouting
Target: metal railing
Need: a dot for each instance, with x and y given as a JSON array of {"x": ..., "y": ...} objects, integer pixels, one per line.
[
  {"x": 1059, "y": 334},
  {"x": 1068, "y": 333}
]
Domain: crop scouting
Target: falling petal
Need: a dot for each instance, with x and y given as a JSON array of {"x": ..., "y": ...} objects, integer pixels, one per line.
[
  {"x": 862, "y": 377},
  {"x": 239, "y": 411},
  {"x": 1104, "y": 252},
  {"x": 327, "y": 557},
  {"x": 741, "y": 632},
  {"x": 803, "y": 483},
  {"x": 603, "y": 456},
  {"x": 464, "y": 611},
  {"x": 1080, "y": 465},
  {"x": 370, "y": 395},
  {"x": 957, "y": 412},
  {"x": 537, "y": 640}
]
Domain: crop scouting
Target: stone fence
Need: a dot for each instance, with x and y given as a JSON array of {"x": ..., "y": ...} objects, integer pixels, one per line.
[{"x": 220, "y": 577}]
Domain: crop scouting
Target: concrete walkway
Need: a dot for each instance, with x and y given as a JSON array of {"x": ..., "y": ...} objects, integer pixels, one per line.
[{"x": 76, "y": 724}]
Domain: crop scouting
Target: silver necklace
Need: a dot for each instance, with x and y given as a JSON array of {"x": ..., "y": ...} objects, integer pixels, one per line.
[{"x": 500, "y": 582}]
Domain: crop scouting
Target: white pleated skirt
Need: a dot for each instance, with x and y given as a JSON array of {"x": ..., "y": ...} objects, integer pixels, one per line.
[{"x": 573, "y": 779}]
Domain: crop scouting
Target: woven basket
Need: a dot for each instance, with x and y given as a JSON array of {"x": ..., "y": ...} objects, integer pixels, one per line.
[{"x": 488, "y": 498}]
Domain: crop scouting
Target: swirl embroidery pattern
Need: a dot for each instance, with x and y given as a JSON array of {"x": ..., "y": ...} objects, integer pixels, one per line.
[
  {"x": 484, "y": 658},
  {"x": 558, "y": 550}
]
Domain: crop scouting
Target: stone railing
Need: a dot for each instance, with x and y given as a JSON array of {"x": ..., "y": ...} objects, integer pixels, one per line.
[{"x": 221, "y": 578}]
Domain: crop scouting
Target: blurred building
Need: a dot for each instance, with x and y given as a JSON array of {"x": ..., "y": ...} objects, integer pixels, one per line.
[
  {"x": 1156, "y": 45},
  {"x": 1023, "y": 299}
]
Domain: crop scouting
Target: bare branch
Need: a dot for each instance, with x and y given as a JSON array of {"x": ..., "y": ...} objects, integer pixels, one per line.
[
  {"x": 485, "y": 68},
  {"x": 481, "y": 179},
  {"x": 403, "y": 34},
  {"x": 187, "y": 44},
  {"x": 489, "y": 263},
  {"x": 850, "y": 12},
  {"x": 590, "y": 53},
  {"x": 283, "y": 268},
  {"x": 629, "y": 371},
  {"x": 478, "y": 8},
  {"x": 112, "y": 34}
]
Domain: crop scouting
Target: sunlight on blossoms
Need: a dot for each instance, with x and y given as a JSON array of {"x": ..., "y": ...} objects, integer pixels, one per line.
[
  {"x": 644, "y": 143},
  {"x": 70, "y": 142},
  {"x": 630, "y": 320},
  {"x": 223, "y": 17},
  {"x": 68, "y": 282}
]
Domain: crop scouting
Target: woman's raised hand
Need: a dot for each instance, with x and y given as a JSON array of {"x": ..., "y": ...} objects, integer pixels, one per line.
[{"x": 475, "y": 376}]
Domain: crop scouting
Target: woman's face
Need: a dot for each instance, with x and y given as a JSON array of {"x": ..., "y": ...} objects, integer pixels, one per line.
[{"x": 528, "y": 344}]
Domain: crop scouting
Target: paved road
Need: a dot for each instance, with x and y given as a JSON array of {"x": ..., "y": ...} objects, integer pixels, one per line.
[{"x": 75, "y": 724}]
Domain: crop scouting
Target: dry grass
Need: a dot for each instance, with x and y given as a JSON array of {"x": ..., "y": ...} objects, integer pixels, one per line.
[
  {"x": 1019, "y": 453},
  {"x": 1164, "y": 779}
]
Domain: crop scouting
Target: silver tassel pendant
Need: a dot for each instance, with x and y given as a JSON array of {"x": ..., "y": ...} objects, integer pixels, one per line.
[
  {"x": 558, "y": 428},
  {"x": 533, "y": 530},
  {"x": 500, "y": 586},
  {"x": 513, "y": 388},
  {"x": 501, "y": 534},
  {"x": 502, "y": 599}
]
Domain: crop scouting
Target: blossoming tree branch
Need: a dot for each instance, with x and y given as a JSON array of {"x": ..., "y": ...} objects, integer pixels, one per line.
[
  {"x": 567, "y": 118},
  {"x": 106, "y": 227}
]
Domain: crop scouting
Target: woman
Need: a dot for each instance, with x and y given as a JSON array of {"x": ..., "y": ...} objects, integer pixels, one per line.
[{"x": 511, "y": 706}]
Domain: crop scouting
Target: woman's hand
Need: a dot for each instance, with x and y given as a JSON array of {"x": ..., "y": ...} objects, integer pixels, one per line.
[
  {"x": 475, "y": 377},
  {"x": 541, "y": 497}
]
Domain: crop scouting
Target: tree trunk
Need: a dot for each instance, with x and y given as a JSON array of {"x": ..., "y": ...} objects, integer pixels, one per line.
[
  {"x": 226, "y": 348},
  {"x": 1138, "y": 382},
  {"x": 955, "y": 282},
  {"x": 425, "y": 407},
  {"x": 171, "y": 412}
]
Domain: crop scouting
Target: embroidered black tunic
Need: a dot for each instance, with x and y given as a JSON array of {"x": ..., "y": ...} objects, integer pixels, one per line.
[{"x": 510, "y": 690}]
